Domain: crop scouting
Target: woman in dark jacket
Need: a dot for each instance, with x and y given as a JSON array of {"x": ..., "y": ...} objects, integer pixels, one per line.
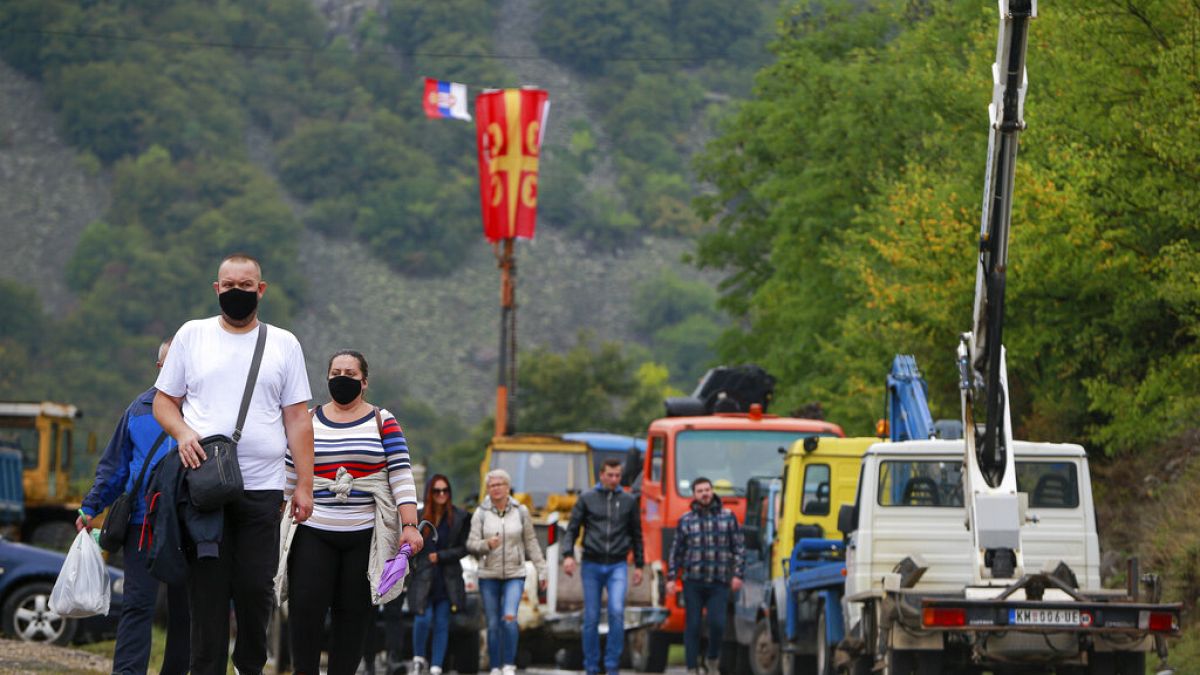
[{"x": 436, "y": 589}]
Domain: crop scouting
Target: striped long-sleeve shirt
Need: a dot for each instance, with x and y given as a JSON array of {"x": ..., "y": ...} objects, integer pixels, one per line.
[{"x": 363, "y": 450}]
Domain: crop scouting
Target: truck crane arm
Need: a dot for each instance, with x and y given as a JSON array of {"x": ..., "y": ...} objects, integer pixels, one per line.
[
  {"x": 990, "y": 479},
  {"x": 908, "y": 418}
]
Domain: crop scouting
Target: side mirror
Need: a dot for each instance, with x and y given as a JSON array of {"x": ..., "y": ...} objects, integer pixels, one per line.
[{"x": 848, "y": 518}]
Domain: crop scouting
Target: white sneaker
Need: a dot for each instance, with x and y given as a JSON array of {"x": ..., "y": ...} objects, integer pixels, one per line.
[
  {"x": 418, "y": 665},
  {"x": 510, "y": 670},
  {"x": 495, "y": 671},
  {"x": 435, "y": 670}
]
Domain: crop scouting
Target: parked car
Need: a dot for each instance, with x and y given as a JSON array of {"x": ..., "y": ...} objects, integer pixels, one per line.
[{"x": 27, "y": 575}]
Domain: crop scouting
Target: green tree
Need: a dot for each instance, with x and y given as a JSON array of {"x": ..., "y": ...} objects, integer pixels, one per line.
[
  {"x": 846, "y": 212},
  {"x": 590, "y": 387}
]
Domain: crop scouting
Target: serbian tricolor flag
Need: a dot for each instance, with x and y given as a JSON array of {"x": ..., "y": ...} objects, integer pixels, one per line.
[{"x": 445, "y": 100}]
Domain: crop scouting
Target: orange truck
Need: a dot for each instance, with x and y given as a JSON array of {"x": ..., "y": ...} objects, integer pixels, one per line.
[{"x": 728, "y": 448}]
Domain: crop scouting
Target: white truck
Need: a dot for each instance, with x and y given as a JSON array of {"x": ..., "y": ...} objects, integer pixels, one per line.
[
  {"x": 982, "y": 554},
  {"x": 913, "y": 599}
]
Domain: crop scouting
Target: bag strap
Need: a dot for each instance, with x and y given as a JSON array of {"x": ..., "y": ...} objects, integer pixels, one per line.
[
  {"x": 250, "y": 380},
  {"x": 137, "y": 486}
]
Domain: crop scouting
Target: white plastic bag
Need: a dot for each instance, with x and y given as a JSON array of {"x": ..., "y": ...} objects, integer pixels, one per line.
[{"x": 82, "y": 588}]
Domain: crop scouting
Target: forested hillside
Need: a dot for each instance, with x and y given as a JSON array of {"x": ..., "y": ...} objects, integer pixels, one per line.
[
  {"x": 848, "y": 201},
  {"x": 292, "y": 130},
  {"x": 823, "y": 159}
]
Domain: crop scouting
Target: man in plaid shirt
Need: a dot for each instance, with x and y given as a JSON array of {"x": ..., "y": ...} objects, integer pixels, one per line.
[{"x": 707, "y": 556}]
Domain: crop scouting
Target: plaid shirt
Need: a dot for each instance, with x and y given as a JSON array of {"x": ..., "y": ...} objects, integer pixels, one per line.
[{"x": 707, "y": 545}]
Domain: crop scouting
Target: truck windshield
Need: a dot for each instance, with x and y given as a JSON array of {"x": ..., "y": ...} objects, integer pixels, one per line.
[
  {"x": 730, "y": 458},
  {"x": 921, "y": 483},
  {"x": 25, "y": 440},
  {"x": 931, "y": 483},
  {"x": 541, "y": 474}
]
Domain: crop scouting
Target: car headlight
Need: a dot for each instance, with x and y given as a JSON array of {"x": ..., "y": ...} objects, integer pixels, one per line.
[{"x": 118, "y": 585}]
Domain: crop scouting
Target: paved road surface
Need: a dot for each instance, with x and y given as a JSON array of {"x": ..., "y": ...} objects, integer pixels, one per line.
[{"x": 673, "y": 670}]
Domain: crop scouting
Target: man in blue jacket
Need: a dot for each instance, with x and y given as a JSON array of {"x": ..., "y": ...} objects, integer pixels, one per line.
[{"x": 127, "y": 452}]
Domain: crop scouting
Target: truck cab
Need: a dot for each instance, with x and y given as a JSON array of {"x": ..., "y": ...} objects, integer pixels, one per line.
[
  {"x": 727, "y": 448},
  {"x": 910, "y": 598},
  {"x": 791, "y": 532}
]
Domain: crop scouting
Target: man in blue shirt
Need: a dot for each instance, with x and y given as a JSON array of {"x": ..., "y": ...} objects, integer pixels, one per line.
[{"x": 127, "y": 452}]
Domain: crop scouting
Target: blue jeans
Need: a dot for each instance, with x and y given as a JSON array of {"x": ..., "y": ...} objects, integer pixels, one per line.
[
  {"x": 501, "y": 597},
  {"x": 435, "y": 619},
  {"x": 132, "y": 655},
  {"x": 699, "y": 597},
  {"x": 596, "y": 577}
]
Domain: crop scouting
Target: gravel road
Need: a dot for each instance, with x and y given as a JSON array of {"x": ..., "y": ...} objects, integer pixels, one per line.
[{"x": 18, "y": 657}]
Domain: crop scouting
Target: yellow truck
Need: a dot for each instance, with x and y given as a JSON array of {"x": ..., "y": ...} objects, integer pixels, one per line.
[
  {"x": 548, "y": 473},
  {"x": 819, "y": 475},
  {"x": 43, "y": 433}
]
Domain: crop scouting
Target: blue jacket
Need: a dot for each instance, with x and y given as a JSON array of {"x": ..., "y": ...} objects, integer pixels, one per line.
[{"x": 123, "y": 458}]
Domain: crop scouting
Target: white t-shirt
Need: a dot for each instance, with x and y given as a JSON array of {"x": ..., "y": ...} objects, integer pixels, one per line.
[{"x": 207, "y": 365}]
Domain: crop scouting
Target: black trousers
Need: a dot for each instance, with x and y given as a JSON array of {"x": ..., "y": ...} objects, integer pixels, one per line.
[
  {"x": 243, "y": 574},
  {"x": 132, "y": 656},
  {"x": 328, "y": 571}
]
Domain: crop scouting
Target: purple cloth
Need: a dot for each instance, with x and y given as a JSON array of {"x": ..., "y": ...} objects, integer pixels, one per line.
[{"x": 395, "y": 569}]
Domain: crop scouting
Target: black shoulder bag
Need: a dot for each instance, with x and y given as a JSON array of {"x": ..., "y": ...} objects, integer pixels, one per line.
[
  {"x": 116, "y": 523},
  {"x": 218, "y": 479}
]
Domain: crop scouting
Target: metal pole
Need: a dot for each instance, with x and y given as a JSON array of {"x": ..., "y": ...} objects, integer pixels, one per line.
[{"x": 507, "y": 366}]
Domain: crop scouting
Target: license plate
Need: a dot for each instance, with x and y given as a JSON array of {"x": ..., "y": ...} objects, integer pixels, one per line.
[{"x": 1044, "y": 617}]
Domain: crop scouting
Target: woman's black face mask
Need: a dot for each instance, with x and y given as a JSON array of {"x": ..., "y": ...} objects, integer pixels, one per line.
[{"x": 344, "y": 389}]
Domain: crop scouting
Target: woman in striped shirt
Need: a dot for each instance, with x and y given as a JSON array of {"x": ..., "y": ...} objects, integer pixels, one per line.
[{"x": 357, "y": 447}]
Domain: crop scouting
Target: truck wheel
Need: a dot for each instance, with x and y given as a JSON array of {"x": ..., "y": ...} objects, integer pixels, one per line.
[
  {"x": 27, "y": 616},
  {"x": 465, "y": 654},
  {"x": 648, "y": 650},
  {"x": 764, "y": 651},
  {"x": 1102, "y": 663},
  {"x": 861, "y": 666},
  {"x": 797, "y": 664},
  {"x": 929, "y": 663},
  {"x": 898, "y": 662},
  {"x": 569, "y": 658},
  {"x": 742, "y": 664},
  {"x": 1131, "y": 663},
  {"x": 727, "y": 663},
  {"x": 54, "y": 534},
  {"x": 824, "y": 654}
]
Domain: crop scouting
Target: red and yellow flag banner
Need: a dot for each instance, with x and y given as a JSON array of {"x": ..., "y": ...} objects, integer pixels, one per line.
[{"x": 509, "y": 127}]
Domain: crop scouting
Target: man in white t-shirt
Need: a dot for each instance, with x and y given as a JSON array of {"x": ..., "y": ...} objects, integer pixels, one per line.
[{"x": 199, "y": 394}]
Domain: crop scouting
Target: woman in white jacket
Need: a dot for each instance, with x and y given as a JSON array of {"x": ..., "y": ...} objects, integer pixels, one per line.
[{"x": 502, "y": 536}]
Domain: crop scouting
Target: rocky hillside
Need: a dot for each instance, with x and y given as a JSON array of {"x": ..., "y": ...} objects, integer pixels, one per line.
[{"x": 49, "y": 194}]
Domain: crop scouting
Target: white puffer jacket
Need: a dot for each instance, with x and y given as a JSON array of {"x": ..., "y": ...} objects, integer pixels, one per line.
[{"x": 518, "y": 542}]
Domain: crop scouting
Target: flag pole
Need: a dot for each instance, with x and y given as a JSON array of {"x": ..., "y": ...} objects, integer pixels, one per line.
[{"x": 506, "y": 380}]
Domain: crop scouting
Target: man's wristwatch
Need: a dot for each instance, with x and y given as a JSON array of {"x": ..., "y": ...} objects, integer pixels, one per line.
[{"x": 412, "y": 525}]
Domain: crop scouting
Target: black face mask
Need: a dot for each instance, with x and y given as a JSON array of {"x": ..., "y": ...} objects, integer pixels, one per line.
[
  {"x": 344, "y": 389},
  {"x": 238, "y": 304}
]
